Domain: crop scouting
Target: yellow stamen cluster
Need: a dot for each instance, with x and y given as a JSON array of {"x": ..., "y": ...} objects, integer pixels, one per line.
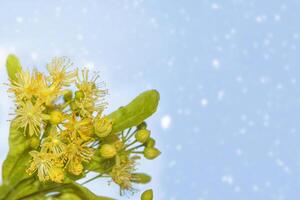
[{"x": 65, "y": 128}]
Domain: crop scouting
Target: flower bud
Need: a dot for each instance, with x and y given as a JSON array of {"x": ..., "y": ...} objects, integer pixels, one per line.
[
  {"x": 56, "y": 117},
  {"x": 73, "y": 106},
  {"x": 103, "y": 126},
  {"x": 119, "y": 145},
  {"x": 147, "y": 195},
  {"x": 68, "y": 96},
  {"x": 151, "y": 153},
  {"x": 34, "y": 142},
  {"x": 150, "y": 142},
  {"x": 142, "y": 125},
  {"x": 142, "y": 135},
  {"x": 79, "y": 95},
  {"x": 108, "y": 151},
  {"x": 140, "y": 178}
]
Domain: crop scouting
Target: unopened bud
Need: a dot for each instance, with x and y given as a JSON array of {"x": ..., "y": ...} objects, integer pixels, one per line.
[
  {"x": 103, "y": 126},
  {"x": 142, "y": 125},
  {"x": 142, "y": 135},
  {"x": 108, "y": 151},
  {"x": 119, "y": 145},
  {"x": 79, "y": 95},
  {"x": 68, "y": 96},
  {"x": 147, "y": 195},
  {"x": 73, "y": 106},
  {"x": 34, "y": 142},
  {"x": 140, "y": 178},
  {"x": 150, "y": 142},
  {"x": 56, "y": 117},
  {"x": 151, "y": 153}
]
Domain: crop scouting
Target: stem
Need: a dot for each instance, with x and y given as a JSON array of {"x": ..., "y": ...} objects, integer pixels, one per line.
[
  {"x": 94, "y": 178},
  {"x": 138, "y": 152},
  {"x": 130, "y": 136},
  {"x": 136, "y": 147},
  {"x": 132, "y": 143},
  {"x": 128, "y": 132}
]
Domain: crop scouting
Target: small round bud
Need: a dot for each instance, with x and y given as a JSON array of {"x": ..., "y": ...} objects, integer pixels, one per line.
[
  {"x": 140, "y": 178},
  {"x": 68, "y": 96},
  {"x": 56, "y": 117},
  {"x": 79, "y": 95},
  {"x": 142, "y": 125},
  {"x": 103, "y": 126},
  {"x": 73, "y": 105},
  {"x": 142, "y": 135},
  {"x": 34, "y": 142},
  {"x": 147, "y": 195},
  {"x": 108, "y": 151},
  {"x": 119, "y": 145},
  {"x": 150, "y": 142},
  {"x": 151, "y": 153}
]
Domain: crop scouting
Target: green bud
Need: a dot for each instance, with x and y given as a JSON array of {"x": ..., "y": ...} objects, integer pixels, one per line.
[
  {"x": 147, "y": 195},
  {"x": 151, "y": 153},
  {"x": 79, "y": 95},
  {"x": 56, "y": 117},
  {"x": 34, "y": 142},
  {"x": 68, "y": 96},
  {"x": 142, "y": 135},
  {"x": 142, "y": 125},
  {"x": 140, "y": 178},
  {"x": 108, "y": 151},
  {"x": 150, "y": 142},
  {"x": 111, "y": 138},
  {"x": 103, "y": 126},
  {"x": 73, "y": 105},
  {"x": 13, "y": 67}
]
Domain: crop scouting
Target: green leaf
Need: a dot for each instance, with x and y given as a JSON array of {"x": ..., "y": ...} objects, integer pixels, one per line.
[
  {"x": 16, "y": 162},
  {"x": 79, "y": 191},
  {"x": 142, "y": 107},
  {"x": 13, "y": 66}
]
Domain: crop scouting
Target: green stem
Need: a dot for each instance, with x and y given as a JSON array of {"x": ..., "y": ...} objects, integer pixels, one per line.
[
  {"x": 94, "y": 178},
  {"x": 136, "y": 147}
]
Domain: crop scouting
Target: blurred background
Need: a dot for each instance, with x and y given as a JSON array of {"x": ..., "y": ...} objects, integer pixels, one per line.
[{"x": 227, "y": 70}]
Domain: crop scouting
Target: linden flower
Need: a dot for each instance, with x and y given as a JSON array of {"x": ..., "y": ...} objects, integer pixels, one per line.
[
  {"x": 121, "y": 174},
  {"x": 45, "y": 93},
  {"x": 58, "y": 70},
  {"x": 53, "y": 143},
  {"x": 46, "y": 166},
  {"x": 30, "y": 117},
  {"x": 78, "y": 128},
  {"x": 24, "y": 87},
  {"x": 92, "y": 93},
  {"x": 76, "y": 153}
]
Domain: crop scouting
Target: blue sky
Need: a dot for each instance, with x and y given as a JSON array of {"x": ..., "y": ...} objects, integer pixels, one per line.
[{"x": 228, "y": 73}]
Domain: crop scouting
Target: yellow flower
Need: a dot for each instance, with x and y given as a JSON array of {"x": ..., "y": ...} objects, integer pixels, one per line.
[
  {"x": 77, "y": 152},
  {"x": 121, "y": 173},
  {"x": 103, "y": 126},
  {"x": 24, "y": 87},
  {"x": 53, "y": 143},
  {"x": 78, "y": 128},
  {"x": 46, "y": 166},
  {"x": 58, "y": 70},
  {"x": 92, "y": 93},
  {"x": 30, "y": 117},
  {"x": 46, "y": 93}
]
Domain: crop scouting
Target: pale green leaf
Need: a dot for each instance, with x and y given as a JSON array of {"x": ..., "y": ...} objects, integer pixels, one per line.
[
  {"x": 17, "y": 160},
  {"x": 139, "y": 109},
  {"x": 13, "y": 66}
]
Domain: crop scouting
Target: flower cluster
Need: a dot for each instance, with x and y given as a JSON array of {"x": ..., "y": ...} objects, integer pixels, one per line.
[
  {"x": 62, "y": 120},
  {"x": 61, "y": 112}
]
